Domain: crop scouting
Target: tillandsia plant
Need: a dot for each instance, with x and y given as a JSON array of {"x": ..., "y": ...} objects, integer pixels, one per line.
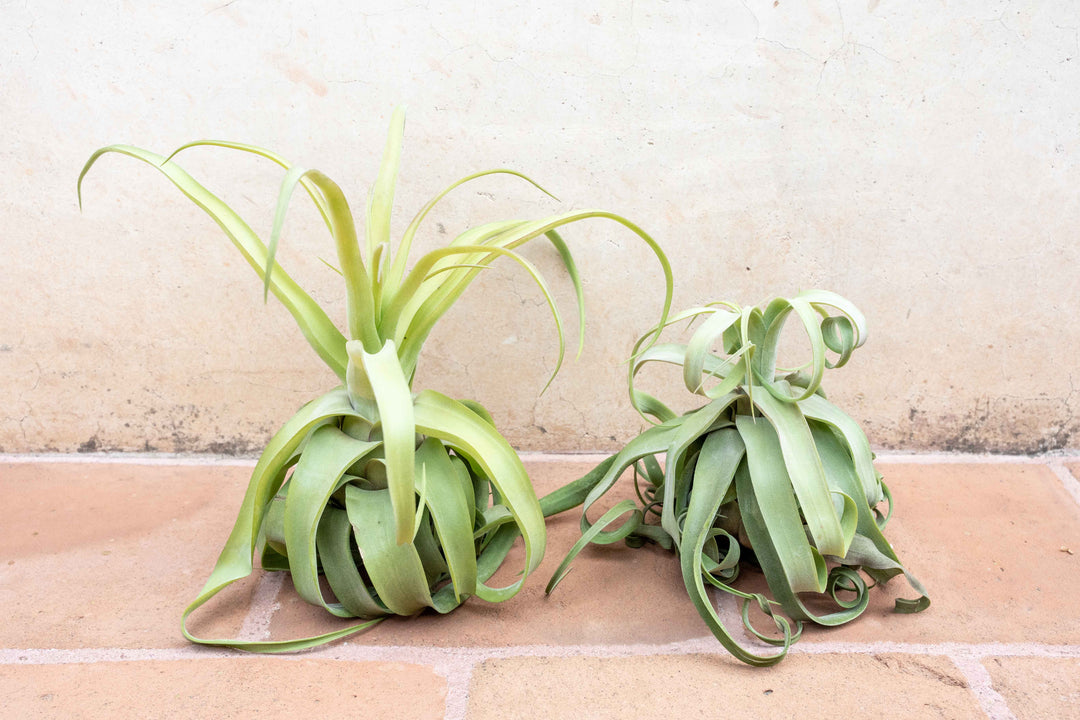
[
  {"x": 767, "y": 470},
  {"x": 402, "y": 500}
]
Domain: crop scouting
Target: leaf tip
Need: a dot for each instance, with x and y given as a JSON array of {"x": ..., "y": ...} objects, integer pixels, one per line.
[{"x": 556, "y": 579}]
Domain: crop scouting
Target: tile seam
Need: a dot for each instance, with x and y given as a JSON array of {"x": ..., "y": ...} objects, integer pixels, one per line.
[
  {"x": 928, "y": 458},
  {"x": 458, "y": 672},
  {"x": 451, "y": 659},
  {"x": 931, "y": 458},
  {"x": 982, "y": 686},
  {"x": 951, "y": 649},
  {"x": 1072, "y": 486},
  {"x": 126, "y": 459},
  {"x": 264, "y": 603}
]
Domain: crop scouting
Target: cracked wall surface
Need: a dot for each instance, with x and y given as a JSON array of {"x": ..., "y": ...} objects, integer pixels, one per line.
[{"x": 921, "y": 159}]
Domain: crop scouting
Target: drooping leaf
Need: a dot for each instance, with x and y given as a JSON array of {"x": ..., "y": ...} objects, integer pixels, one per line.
[{"x": 320, "y": 332}]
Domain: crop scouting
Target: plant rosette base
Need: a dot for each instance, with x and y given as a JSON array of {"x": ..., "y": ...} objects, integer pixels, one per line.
[{"x": 319, "y": 504}]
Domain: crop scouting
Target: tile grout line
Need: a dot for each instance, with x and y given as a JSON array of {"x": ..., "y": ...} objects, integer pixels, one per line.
[
  {"x": 1072, "y": 486},
  {"x": 138, "y": 458},
  {"x": 60, "y": 656},
  {"x": 936, "y": 458},
  {"x": 457, "y": 692},
  {"x": 982, "y": 686},
  {"x": 264, "y": 603},
  {"x": 950, "y": 649},
  {"x": 458, "y": 672},
  {"x": 453, "y": 658},
  {"x": 127, "y": 459}
]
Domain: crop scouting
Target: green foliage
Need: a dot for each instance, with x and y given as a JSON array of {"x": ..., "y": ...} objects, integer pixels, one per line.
[
  {"x": 767, "y": 465},
  {"x": 403, "y": 501}
]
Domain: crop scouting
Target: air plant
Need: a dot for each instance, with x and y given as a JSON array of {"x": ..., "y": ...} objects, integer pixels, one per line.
[
  {"x": 401, "y": 500},
  {"x": 766, "y": 470}
]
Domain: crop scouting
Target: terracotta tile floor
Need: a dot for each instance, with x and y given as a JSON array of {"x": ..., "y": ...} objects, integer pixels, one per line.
[{"x": 99, "y": 557}]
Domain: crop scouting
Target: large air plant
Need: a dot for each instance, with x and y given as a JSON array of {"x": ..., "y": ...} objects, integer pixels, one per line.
[
  {"x": 766, "y": 470},
  {"x": 402, "y": 501}
]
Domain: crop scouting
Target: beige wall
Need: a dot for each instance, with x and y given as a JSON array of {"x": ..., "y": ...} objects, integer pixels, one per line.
[{"x": 919, "y": 158}]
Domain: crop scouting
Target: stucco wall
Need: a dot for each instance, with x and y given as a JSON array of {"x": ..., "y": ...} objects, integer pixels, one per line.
[{"x": 918, "y": 158}]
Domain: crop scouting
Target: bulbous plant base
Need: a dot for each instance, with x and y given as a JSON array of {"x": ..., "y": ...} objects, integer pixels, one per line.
[
  {"x": 460, "y": 537},
  {"x": 319, "y": 504},
  {"x": 730, "y": 492}
]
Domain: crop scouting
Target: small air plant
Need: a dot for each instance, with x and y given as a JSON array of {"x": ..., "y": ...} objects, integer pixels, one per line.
[
  {"x": 401, "y": 501},
  {"x": 766, "y": 470}
]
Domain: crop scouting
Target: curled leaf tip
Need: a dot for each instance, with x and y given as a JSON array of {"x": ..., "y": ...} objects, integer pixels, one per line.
[
  {"x": 556, "y": 579},
  {"x": 767, "y": 463}
]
